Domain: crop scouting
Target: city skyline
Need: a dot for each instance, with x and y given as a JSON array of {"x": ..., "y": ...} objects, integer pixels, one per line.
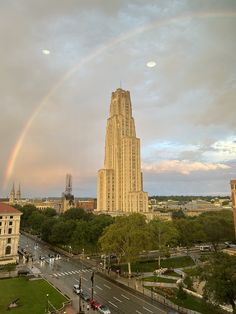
[{"x": 58, "y": 70}]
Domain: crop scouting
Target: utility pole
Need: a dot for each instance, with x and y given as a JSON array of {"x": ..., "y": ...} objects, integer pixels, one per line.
[
  {"x": 92, "y": 281},
  {"x": 159, "y": 246},
  {"x": 80, "y": 289}
]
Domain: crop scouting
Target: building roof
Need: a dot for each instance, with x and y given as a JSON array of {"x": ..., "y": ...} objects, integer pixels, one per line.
[{"x": 7, "y": 209}]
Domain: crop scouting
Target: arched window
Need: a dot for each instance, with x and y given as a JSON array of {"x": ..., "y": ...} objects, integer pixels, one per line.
[{"x": 8, "y": 250}]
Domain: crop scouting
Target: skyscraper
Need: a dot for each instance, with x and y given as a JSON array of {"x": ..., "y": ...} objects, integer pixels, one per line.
[{"x": 120, "y": 187}]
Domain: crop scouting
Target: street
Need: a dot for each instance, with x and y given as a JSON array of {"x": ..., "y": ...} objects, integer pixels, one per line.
[{"x": 65, "y": 272}]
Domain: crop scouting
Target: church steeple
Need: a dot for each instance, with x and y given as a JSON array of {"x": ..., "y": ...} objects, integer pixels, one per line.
[
  {"x": 12, "y": 194},
  {"x": 18, "y": 194}
]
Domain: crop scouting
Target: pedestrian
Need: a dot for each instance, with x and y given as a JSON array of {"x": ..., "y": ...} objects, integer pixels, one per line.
[{"x": 88, "y": 307}]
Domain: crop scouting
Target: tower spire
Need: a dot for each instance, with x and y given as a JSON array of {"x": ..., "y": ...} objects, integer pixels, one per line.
[{"x": 120, "y": 181}]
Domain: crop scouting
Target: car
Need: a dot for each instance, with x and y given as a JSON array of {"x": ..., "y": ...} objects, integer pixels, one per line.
[
  {"x": 94, "y": 304},
  {"x": 104, "y": 309},
  {"x": 77, "y": 289},
  {"x": 85, "y": 296}
]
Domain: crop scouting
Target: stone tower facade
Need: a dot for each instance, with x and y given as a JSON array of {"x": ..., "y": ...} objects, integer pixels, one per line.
[
  {"x": 120, "y": 187},
  {"x": 68, "y": 200},
  {"x": 12, "y": 195},
  {"x": 233, "y": 196},
  {"x": 18, "y": 194}
]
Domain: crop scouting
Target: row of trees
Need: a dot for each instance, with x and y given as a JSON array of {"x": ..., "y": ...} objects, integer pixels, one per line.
[
  {"x": 75, "y": 229},
  {"x": 128, "y": 236},
  {"x": 79, "y": 229}
]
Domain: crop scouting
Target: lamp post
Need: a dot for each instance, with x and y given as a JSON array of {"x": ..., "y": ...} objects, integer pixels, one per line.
[{"x": 47, "y": 305}]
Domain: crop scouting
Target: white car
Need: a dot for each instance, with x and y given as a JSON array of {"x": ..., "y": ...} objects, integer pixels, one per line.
[
  {"x": 76, "y": 289},
  {"x": 104, "y": 309}
]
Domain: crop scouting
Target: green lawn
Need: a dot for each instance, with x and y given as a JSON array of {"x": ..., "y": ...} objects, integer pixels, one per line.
[
  {"x": 150, "y": 266},
  {"x": 32, "y": 295},
  {"x": 190, "y": 302},
  {"x": 159, "y": 279}
]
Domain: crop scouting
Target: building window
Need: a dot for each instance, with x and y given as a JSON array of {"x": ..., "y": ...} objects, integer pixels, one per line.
[
  {"x": 10, "y": 223},
  {"x": 0, "y": 223},
  {"x": 11, "y": 217},
  {"x": 0, "y": 217},
  {"x": 8, "y": 250},
  {"x": 9, "y": 240},
  {"x": 10, "y": 231}
]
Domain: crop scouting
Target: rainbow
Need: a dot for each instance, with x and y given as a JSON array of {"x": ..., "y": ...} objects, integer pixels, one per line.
[{"x": 115, "y": 41}]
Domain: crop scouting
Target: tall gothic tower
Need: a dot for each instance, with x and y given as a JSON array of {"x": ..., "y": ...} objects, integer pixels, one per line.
[
  {"x": 18, "y": 194},
  {"x": 12, "y": 195},
  {"x": 120, "y": 187}
]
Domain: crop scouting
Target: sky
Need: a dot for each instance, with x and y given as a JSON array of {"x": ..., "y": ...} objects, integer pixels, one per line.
[{"x": 60, "y": 60}]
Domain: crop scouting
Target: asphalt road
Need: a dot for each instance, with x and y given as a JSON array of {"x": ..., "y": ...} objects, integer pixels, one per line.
[{"x": 66, "y": 272}]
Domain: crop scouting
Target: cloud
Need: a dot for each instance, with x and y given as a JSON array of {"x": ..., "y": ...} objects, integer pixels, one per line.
[{"x": 184, "y": 167}]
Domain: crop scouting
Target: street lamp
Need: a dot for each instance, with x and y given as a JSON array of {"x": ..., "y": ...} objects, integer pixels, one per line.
[{"x": 47, "y": 305}]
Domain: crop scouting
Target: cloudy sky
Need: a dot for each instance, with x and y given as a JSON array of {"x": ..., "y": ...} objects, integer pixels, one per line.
[{"x": 61, "y": 59}]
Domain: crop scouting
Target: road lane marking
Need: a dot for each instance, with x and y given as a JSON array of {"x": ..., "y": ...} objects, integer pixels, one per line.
[
  {"x": 70, "y": 272},
  {"x": 66, "y": 273},
  {"x": 55, "y": 275},
  {"x": 99, "y": 288},
  {"x": 147, "y": 309},
  {"x": 77, "y": 271},
  {"x": 113, "y": 304},
  {"x": 107, "y": 286},
  {"x": 117, "y": 299},
  {"x": 134, "y": 296},
  {"x": 73, "y": 272},
  {"x": 124, "y": 296},
  {"x": 85, "y": 278},
  {"x": 138, "y": 312}
]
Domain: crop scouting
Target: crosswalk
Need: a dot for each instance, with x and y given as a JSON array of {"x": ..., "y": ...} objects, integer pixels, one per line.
[{"x": 72, "y": 272}]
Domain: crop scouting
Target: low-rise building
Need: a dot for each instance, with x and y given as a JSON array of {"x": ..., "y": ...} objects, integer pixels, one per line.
[{"x": 9, "y": 234}]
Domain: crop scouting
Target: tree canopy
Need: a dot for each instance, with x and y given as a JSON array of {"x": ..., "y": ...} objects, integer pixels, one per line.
[{"x": 220, "y": 277}]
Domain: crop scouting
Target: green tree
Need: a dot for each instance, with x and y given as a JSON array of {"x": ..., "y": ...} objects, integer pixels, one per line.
[
  {"x": 35, "y": 222},
  {"x": 220, "y": 277},
  {"x": 189, "y": 231},
  {"x": 49, "y": 212},
  {"x": 62, "y": 232},
  {"x": 77, "y": 213},
  {"x": 46, "y": 230},
  {"x": 217, "y": 227},
  {"x": 126, "y": 238},
  {"x": 163, "y": 234},
  {"x": 177, "y": 214}
]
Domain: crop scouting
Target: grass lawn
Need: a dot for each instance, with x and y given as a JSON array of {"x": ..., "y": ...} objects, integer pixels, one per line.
[
  {"x": 150, "y": 266},
  {"x": 159, "y": 279},
  {"x": 196, "y": 304},
  {"x": 170, "y": 272},
  {"x": 31, "y": 294},
  {"x": 190, "y": 302}
]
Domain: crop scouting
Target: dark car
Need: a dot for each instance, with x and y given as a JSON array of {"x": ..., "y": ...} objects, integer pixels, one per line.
[{"x": 85, "y": 296}]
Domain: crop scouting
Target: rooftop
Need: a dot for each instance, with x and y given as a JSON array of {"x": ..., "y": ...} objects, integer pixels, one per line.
[{"x": 5, "y": 209}]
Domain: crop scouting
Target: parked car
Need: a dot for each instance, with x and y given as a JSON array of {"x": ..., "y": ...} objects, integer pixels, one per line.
[
  {"x": 94, "y": 304},
  {"x": 76, "y": 289},
  {"x": 85, "y": 296},
  {"x": 104, "y": 309}
]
